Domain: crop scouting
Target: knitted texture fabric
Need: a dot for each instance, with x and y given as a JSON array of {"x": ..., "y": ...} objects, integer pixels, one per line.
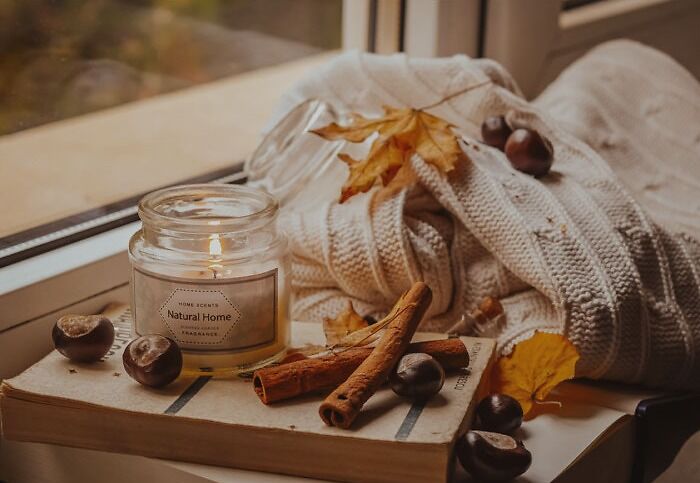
[{"x": 603, "y": 249}]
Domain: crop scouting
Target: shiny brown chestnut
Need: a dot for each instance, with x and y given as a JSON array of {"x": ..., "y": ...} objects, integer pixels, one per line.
[
  {"x": 83, "y": 338},
  {"x": 153, "y": 360},
  {"x": 417, "y": 376},
  {"x": 495, "y": 131},
  {"x": 529, "y": 152},
  {"x": 499, "y": 413},
  {"x": 492, "y": 456}
]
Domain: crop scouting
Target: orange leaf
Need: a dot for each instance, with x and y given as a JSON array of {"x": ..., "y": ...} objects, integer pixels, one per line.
[
  {"x": 401, "y": 134},
  {"x": 344, "y": 323},
  {"x": 535, "y": 367}
]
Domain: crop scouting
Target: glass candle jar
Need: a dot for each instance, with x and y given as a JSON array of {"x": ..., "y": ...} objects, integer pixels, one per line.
[{"x": 211, "y": 271}]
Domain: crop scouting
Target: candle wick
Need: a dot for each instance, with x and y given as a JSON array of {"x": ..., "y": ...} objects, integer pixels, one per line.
[{"x": 214, "y": 271}]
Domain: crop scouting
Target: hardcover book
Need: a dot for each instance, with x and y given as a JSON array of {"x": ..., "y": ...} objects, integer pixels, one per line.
[{"x": 222, "y": 421}]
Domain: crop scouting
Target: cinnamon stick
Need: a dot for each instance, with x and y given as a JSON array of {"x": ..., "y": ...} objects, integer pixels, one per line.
[
  {"x": 343, "y": 405},
  {"x": 293, "y": 379}
]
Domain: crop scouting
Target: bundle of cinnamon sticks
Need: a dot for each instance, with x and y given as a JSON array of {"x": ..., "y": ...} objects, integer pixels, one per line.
[{"x": 356, "y": 373}]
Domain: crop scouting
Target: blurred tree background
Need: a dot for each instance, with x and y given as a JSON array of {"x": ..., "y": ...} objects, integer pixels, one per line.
[{"x": 63, "y": 58}]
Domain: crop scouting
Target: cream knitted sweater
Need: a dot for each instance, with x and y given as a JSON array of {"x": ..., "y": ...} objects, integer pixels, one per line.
[{"x": 603, "y": 249}]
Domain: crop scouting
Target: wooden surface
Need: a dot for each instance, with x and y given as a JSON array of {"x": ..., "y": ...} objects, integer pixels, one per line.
[{"x": 86, "y": 162}]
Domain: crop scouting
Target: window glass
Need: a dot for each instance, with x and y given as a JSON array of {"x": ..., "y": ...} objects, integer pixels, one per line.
[
  {"x": 102, "y": 101},
  {"x": 64, "y": 58}
]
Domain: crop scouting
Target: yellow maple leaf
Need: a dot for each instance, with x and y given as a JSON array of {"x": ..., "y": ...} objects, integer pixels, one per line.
[
  {"x": 401, "y": 133},
  {"x": 534, "y": 368},
  {"x": 346, "y": 322}
]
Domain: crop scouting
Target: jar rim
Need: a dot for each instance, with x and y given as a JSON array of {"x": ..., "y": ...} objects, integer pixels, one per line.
[{"x": 261, "y": 206}]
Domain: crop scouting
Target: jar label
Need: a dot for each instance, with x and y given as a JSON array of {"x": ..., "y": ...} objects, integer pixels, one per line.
[{"x": 227, "y": 315}]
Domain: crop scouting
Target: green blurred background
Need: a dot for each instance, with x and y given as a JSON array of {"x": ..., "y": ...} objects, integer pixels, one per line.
[{"x": 63, "y": 58}]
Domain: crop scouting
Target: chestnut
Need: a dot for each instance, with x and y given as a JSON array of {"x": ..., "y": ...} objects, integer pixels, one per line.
[
  {"x": 83, "y": 338},
  {"x": 492, "y": 456},
  {"x": 153, "y": 360},
  {"x": 499, "y": 413},
  {"x": 495, "y": 131},
  {"x": 417, "y": 376},
  {"x": 528, "y": 152}
]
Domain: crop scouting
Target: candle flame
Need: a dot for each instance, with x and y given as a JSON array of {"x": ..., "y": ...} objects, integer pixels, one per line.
[{"x": 215, "y": 246}]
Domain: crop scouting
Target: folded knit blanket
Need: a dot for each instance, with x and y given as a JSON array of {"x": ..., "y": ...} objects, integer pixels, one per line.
[{"x": 603, "y": 249}]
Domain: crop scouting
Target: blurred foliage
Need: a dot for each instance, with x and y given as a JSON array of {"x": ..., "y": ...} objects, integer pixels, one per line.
[{"x": 61, "y": 58}]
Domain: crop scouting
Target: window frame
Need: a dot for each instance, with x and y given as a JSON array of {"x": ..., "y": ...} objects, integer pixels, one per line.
[
  {"x": 550, "y": 36},
  {"x": 421, "y": 28}
]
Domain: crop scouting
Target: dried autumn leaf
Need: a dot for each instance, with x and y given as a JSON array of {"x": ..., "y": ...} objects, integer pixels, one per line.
[
  {"x": 355, "y": 338},
  {"x": 535, "y": 367},
  {"x": 346, "y": 322},
  {"x": 401, "y": 133}
]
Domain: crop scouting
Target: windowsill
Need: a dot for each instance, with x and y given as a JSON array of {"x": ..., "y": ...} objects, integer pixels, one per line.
[
  {"x": 38, "y": 286},
  {"x": 63, "y": 168}
]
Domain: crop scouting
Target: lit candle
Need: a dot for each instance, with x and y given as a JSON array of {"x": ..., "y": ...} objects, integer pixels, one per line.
[
  {"x": 226, "y": 309},
  {"x": 215, "y": 253}
]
